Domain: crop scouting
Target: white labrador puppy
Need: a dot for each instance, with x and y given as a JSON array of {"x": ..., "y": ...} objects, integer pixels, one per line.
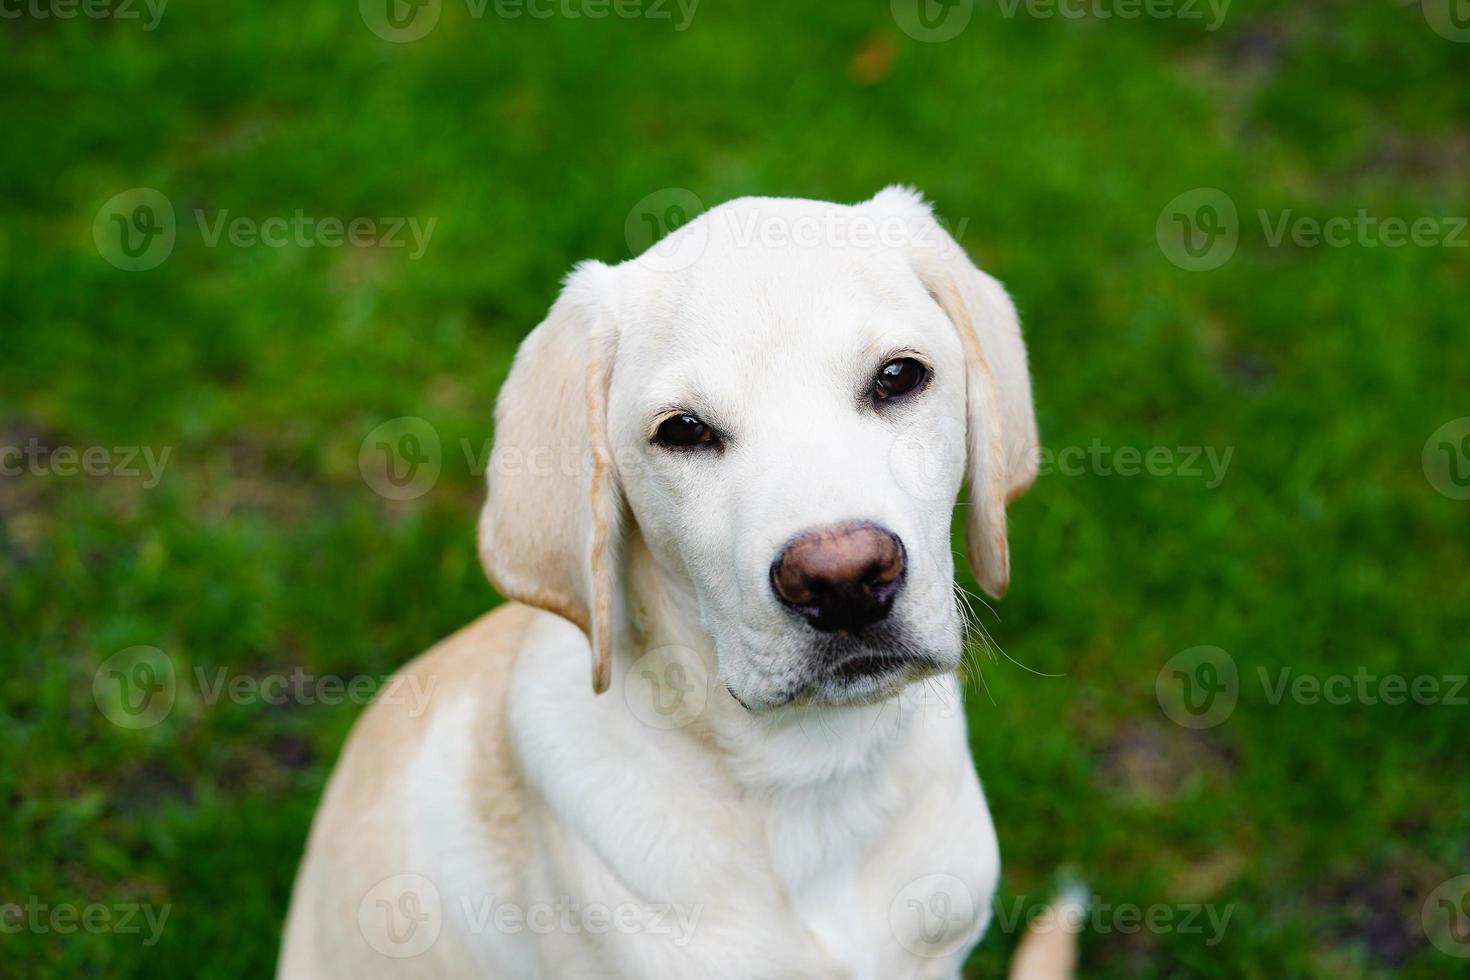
[{"x": 724, "y": 472}]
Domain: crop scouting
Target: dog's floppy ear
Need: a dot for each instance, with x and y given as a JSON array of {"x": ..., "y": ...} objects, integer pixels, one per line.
[
  {"x": 550, "y": 531},
  {"x": 1000, "y": 419}
]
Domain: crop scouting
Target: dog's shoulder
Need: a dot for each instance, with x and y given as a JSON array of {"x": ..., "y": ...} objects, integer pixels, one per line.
[
  {"x": 474, "y": 662},
  {"x": 428, "y": 764},
  {"x": 478, "y": 656}
]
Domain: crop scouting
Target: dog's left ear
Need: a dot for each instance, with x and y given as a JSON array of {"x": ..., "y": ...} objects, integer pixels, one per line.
[
  {"x": 1000, "y": 418},
  {"x": 550, "y": 532}
]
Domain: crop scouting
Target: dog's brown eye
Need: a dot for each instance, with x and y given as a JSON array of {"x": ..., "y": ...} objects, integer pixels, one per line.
[
  {"x": 898, "y": 377},
  {"x": 683, "y": 431}
]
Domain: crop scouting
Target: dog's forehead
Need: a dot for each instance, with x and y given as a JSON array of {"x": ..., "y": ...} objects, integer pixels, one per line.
[{"x": 770, "y": 276}]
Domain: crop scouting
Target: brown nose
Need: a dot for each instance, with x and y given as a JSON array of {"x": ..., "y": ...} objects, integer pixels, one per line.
[{"x": 842, "y": 577}]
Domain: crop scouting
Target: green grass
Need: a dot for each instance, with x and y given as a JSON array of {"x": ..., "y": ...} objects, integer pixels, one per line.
[{"x": 1325, "y": 548}]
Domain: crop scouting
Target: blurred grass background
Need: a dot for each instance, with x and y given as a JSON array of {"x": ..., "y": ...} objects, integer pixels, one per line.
[{"x": 1057, "y": 141}]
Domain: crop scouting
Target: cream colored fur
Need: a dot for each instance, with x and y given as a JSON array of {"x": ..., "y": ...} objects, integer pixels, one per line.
[{"x": 726, "y": 809}]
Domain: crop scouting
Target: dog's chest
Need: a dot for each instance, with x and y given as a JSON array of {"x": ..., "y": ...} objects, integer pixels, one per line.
[
  {"x": 889, "y": 876},
  {"x": 820, "y": 852},
  {"x": 787, "y": 854}
]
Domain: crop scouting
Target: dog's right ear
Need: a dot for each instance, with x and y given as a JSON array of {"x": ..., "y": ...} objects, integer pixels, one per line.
[
  {"x": 549, "y": 532},
  {"x": 1000, "y": 418}
]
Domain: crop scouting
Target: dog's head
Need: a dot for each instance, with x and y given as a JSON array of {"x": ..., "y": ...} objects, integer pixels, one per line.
[{"x": 782, "y": 400}]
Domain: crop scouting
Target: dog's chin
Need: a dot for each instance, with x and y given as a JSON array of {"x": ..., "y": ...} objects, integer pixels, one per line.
[{"x": 853, "y": 673}]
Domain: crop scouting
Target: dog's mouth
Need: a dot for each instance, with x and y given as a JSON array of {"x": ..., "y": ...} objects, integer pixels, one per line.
[
  {"x": 841, "y": 669},
  {"x": 866, "y": 666},
  {"x": 868, "y": 676}
]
